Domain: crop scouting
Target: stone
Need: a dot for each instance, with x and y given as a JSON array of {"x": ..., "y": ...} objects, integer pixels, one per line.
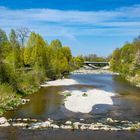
[
  {"x": 3, "y": 120},
  {"x": 92, "y": 127},
  {"x": 114, "y": 129},
  {"x": 24, "y": 101},
  {"x": 98, "y": 124},
  {"x": 10, "y": 120},
  {"x": 50, "y": 120},
  {"x": 26, "y": 119},
  {"x": 19, "y": 119},
  {"x": 20, "y": 124},
  {"x": 68, "y": 122},
  {"x": 109, "y": 120},
  {"x": 44, "y": 125},
  {"x": 76, "y": 125},
  {"x": 35, "y": 126},
  {"x": 66, "y": 127},
  {"x": 106, "y": 128},
  {"x": 55, "y": 126},
  {"x": 127, "y": 128},
  {"x": 116, "y": 121},
  {"x": 34, "y": 120},
  {"x": 5, "y": 124},
  {"x": 81, "y": 119},
  {"x": 83, "y": 127},
  {"x": 48, "y": 123}
]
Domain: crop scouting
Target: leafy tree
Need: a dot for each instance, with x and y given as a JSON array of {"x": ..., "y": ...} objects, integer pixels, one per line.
[
  {"x": 13, "y": 57},
  {"x": 67, "y": 53},
  {"x": 115, "y": 61},
  {"x": 28, "y": 50},
  {"x": 78, "y": 61},
  {"x": 126, "y": 60},
  {"x": 3, "y": 41}
]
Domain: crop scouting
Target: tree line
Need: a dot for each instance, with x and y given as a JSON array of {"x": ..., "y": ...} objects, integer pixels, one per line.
[
  {"x": 26, "y": 60},
  {"x": 126, "y": 60}
]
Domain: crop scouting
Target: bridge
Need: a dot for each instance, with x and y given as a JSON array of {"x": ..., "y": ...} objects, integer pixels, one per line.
[{"x": 97, "y": 65}]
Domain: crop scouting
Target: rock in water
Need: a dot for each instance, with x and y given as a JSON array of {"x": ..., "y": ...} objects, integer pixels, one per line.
[
  {"x": 68, "y": 122},
  {"x": 3, "y": 120}
]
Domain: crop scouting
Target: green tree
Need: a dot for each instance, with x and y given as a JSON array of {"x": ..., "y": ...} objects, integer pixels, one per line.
[
  {"x": 28, "y": 50},
  {"x": 78, "y": 61},
  {"x": 14, "y": 55},
  {"x": 3, "y": 42}
]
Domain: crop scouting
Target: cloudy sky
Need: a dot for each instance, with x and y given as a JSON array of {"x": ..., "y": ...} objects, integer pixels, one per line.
[{"x": 87, "y": 26}]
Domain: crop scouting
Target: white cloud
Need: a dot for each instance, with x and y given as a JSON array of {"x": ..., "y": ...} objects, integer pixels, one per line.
[{"x": 122, "y": 21}]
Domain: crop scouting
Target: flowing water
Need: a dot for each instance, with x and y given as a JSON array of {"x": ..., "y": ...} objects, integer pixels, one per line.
[{"x": 49, "y": 103}]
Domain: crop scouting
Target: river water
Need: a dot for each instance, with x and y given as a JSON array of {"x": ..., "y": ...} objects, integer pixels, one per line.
[{"x": 49, "y": 103}]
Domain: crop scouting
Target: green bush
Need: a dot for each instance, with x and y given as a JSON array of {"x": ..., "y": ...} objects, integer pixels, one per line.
[
  {"x": 84, "y": 95},
  {"x": 67, "y": 94}
]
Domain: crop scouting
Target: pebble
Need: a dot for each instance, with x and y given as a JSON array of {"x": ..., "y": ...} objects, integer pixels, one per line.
[
  {"x": 20, "y": 124},
  {"x": 68, "y": 122},
  {"x": 3, "y": 120}
]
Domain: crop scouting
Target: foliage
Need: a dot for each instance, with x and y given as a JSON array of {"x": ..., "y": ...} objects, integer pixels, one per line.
[
  {"x": 94, "y": 57},
  {"x": 78, "y": 61},
  {"x": 126, "y": 60},
  {"x": 24, "y": 67},
  {"x": 84, "y": 95},
  {"x": 8, "y": 97}
]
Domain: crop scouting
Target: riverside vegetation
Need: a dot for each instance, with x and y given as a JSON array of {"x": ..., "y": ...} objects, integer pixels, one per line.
[
  {"x": 24, "y": 67},
  {"x": 27, "y": 60},
  {"x": 126, "y": 61}
]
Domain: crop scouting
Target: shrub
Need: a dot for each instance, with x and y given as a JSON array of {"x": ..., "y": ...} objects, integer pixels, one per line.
[{"x": 84, "y": 95}]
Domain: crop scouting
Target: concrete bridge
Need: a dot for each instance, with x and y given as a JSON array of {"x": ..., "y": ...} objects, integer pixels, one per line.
[{"x": 97, "y": 65}]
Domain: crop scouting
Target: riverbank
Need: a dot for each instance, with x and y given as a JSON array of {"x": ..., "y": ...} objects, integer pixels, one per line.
[
  {"x": 91, "y": 71},
  {"x": 14, "y": 99},
  {"x": 60, "y": 82},
  {"x": 12, "y": 95},
  {"x": 135, "y": 80}
]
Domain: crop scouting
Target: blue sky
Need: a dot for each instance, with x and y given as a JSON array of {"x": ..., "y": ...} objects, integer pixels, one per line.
[{"x": 87, "y": 26}]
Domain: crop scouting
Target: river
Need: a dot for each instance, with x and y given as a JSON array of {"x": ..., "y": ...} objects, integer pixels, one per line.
[{"x": 48, "y": 103}]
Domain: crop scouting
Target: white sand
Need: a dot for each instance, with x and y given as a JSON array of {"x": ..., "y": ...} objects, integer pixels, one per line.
[
  {"x": 78, "y": 103},
  {"x": 60, "y": 82}
]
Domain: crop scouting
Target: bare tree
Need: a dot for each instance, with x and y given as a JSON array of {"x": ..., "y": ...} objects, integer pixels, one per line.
[{"x": 22, "y": 33}]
